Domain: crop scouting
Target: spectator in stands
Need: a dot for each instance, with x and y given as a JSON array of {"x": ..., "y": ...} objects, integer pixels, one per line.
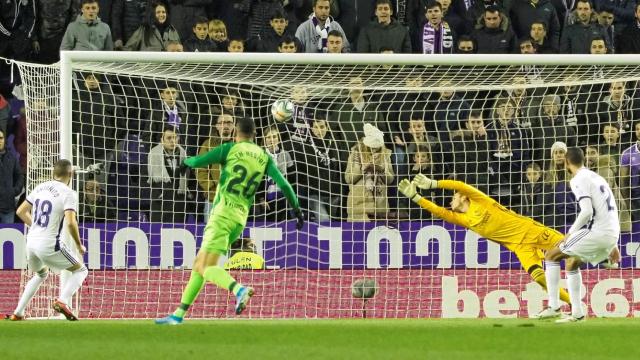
[
  {"x": 96, "y": 206},
  {"x": 272, "y": 38},
  {"x": 314, "y": 32},
  {"x": 532, "y": 193},
  {"x": 235, "y": 46},
  {"x": 384, "y": 32},
  {"x": 602, "y": 166},
  {"x": 421, "y": 162},
  {"x": 524, "y": 13},
  {"x": 17, "y": 30},
  {"x": 629, "y": 39},
  {"x": 199, "y": 40},
  {"x": 414, "y": 134},
  {"x": 550, "y": 128},
  {"x": 538, "y": 33},
  {"x": 335, "y": 44},
  {"x": 471, "y": 151},
  {"x": 598, "y": 46},
  {"x": 12, "y": 181},
  {"x": 368, "y": 172},
  {"x": 401, "y": 107},
  {"x": 525, "y": 100},
  {"x": 53, "y": 17},
  {"x": 325, "y": 170},
  {"x": 20, "y": 130},
  {"x": 622, "y": 11},
  {"x": 233, "y": 103},
  {"x": 154, "y": 34},
  {"x": 184, "y": 14},
  {"x": 509, "y": 149},
  {"x": 305, "y": 7},
  {"x": 288, "y": 45},
  {"x": 170, "y": 111},
  {"x": 97, "y": 118},
  {"x": 222, "y": 132},
  {"x": 508, "y": 139},
  {"x": 614, "y": 106},
  {"x": 606, "y": 20},
  {"x": 434, "y": 35},
  {"x": 87, "y": 32},
  {"x": 493, "y": 33},
  {"x": 5, "y": 113},
  {"x": 560, "y": 208},
  {"x": 168, "y": 182},
  {"x": 466, "y": 45},
  {"x": 260, "y": 16},
  {"x": 271, "y": 201},
  {"x": 526, "y": 46},
  {"x": 452, "y": 18},
  {"x": 630, "y": 175},
  {"x": 472, "y": 11},
  {"x": 174, "y": 46},
  {"x": 573, "y": 104},
  {"x": 576, "y": 38},
  {"x": 127, "y": 177},
  {"x": 349, "y": 114},
  {"x": 230, "y": 102},
  {"x": 449, "y": 110},
  {"x": 218, "y": 33},
  {"x": 127, "y": 17},
  {"x": 609, "y": 142}
]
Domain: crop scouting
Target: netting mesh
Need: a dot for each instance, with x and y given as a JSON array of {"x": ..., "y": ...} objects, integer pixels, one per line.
[{"x": 494, "y": 127}]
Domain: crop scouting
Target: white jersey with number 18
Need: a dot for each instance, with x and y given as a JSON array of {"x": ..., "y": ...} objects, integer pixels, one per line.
[
  {"x": 605, "y": 219},
  {"x": 49, "y": 202}
]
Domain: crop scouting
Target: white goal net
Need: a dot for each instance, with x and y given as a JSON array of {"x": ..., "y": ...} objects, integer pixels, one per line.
[{"x": 492, "y": 123}]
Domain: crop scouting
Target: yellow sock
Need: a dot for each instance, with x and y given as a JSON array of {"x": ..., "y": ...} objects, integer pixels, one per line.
[{"x": 538, "y": 276}]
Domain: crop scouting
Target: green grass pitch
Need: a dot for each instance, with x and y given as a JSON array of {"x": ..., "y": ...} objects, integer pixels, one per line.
[{"x": 322, "y": 339}]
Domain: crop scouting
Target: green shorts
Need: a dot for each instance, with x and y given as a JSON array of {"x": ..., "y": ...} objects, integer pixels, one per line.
[{"x": 219, "y": 234}]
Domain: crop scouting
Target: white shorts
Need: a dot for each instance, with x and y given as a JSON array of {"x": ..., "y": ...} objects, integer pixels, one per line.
[
  {"x": 59, "y": 260},
  {"x": 588, "y": 246}
]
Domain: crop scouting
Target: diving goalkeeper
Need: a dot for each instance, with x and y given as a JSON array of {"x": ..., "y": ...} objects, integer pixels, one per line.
[
  {"x": 476, "y": 211},
  {"x": 244, "y": 164}
]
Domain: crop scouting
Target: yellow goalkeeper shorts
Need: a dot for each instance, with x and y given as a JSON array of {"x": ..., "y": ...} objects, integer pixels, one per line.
[
  {"x": 219, "y": 234},
  {"x": 531, "y": 250}
]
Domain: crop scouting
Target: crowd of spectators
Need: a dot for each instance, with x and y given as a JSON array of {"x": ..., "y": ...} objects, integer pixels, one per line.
[
  {"x": 345, "y": 151},
  {"x": 36, "y": 29}
]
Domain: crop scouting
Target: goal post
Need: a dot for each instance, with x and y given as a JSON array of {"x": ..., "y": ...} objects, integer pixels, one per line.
[{"x": 130, "y": 117}]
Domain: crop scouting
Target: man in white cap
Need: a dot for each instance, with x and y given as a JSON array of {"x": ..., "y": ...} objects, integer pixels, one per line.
[{"x": 368, "y": 173}]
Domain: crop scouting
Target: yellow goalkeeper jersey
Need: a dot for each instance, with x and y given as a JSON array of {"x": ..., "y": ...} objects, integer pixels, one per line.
[
  {"x": 491, "y": 220},
  {"x": 244, "y": 260}
]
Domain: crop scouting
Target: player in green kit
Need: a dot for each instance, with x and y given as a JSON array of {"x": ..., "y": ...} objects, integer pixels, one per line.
[{"x": 244, "y": 164}]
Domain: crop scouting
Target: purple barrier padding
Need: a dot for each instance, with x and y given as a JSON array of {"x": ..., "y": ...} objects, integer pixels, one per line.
[{"x": 334, "y": 245}]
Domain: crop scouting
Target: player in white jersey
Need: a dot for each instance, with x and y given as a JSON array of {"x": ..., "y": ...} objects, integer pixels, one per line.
[
  {"x": 45, "y": 210},
  {"x": 593, "y": 237}
]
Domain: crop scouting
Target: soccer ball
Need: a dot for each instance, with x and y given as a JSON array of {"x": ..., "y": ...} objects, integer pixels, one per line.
[
  {"x": 364, "y": 288},
  {"x": 282, "y": 110}
]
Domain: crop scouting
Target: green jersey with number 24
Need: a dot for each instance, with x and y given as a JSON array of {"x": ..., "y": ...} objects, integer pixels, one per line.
[{"x": 244, "y": 165}]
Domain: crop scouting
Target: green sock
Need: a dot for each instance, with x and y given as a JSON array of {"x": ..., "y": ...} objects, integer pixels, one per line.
[
  {"x": 190, "y": 293},
  {"x": 220, "y": 277}
]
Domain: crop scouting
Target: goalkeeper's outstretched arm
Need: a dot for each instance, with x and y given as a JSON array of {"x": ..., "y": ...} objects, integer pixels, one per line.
[
  {"x": 469, "y": 191},
  {"x": 409, "y": 190}
]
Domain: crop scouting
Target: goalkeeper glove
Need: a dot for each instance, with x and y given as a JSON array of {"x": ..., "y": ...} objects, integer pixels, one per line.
[
  {"x": 409, "y": 190},
  {"x": 424, "y": 182},
  {"x": 299, "y": 218}
]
